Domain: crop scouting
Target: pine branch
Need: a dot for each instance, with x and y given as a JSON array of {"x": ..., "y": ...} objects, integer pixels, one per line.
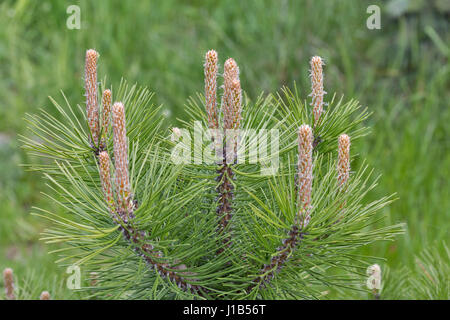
[
  {"x": 282, "y": 254},
  {"x": 123, "y": 213},
  {"x": 225, "y": 200},
  {"x": 304, "y": 189},
  {"x": 231, "y": 108},
  {"x": 123, "y": 192},
  {"x": 122, "y": 210}
]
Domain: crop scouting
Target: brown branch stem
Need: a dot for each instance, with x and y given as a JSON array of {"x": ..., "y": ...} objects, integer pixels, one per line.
[
  {"x": 150, "y": 256},
  {"x": 283, "y": 252},
  {"x": 225, "y": 198}
]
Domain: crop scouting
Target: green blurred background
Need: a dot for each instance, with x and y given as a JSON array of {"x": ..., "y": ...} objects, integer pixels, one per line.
[{"x": 400, "y": 72}]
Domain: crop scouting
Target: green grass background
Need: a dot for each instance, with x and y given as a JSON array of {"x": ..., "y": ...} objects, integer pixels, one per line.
[{"x": 401, "y": 73}]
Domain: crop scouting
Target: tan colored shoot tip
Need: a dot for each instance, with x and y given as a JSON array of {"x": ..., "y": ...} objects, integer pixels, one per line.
[
  {"x": 343, "y": 166},
  {"x": 317, "y": 92},
  {"x": 121, "y": 156},
  {"x": 211, "y": 70},
  {"x": 305, "y": 173},
  {"x": 8, "y": 280},
  {"x": 90, "y": 84},
  {"x": 106, "y": 113}
]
